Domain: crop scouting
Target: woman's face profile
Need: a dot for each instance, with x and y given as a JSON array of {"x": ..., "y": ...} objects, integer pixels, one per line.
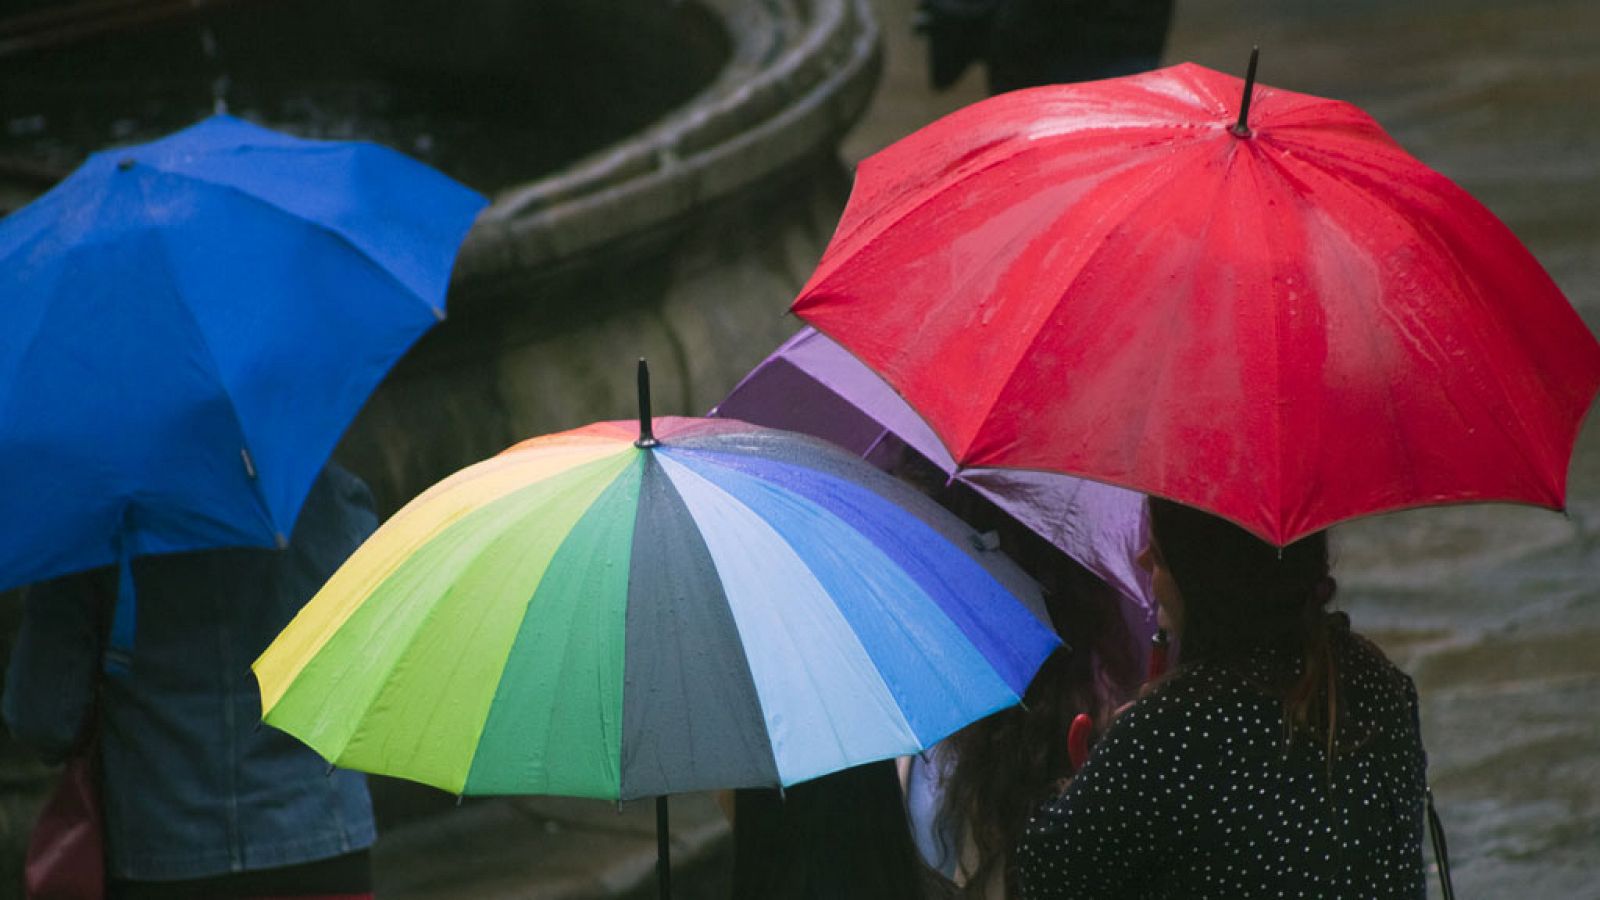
[{"x": 1170, "y": 614}]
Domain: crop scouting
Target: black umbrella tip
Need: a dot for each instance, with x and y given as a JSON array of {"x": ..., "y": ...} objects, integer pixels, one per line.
[
  {"x": 125, "y": 163},
  {"x": 1241, "y": 128},
  {"x": 647, "y": 437}
]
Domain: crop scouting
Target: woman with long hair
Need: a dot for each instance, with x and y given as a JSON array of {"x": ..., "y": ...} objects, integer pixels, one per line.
[{"x": 1281, "y": 757}]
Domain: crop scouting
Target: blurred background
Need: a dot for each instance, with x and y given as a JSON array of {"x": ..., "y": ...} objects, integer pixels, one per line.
[{"x": 665, "y": 175}]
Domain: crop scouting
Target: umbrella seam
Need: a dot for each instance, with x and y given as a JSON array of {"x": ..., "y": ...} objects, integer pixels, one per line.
[
  {"x": 1249, "y": 151},
  {"x": 1015, "y": 148},
  {"x": 881, "y": 232},
  {"x": 181, "y": 302},
  {"x": 438, "y": 602},
  {"x": 1128, "y": 208},
  {"x": 833, "y": 727},
  {"x": 1363, "y": 186},
  {"x": 403, "y": 518},
  {"x": 44, "y": 233},
  {"x": 766, "y": 752},
  {"x": 709, "y": 459},
  {"x": 382, "y": 270},
  {"x": 375, "y": 692},
  {"x": 567, "y": 645}
]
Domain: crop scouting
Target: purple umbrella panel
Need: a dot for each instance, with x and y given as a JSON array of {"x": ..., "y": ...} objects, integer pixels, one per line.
[{"x": 812, "y": 385}]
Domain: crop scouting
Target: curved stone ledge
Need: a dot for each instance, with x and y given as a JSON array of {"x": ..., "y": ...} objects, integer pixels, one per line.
[
  {"x": 801, "y": 71},
  {"x": 683, "y": 244}
]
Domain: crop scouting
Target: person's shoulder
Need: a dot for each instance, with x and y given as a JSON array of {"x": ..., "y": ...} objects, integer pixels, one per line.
[
  {"x": 1203, "y": 710},
  {"x": 1200, "y": 686},
  {"x": 1174, "y": 702},
  {"x": 1376, "y": 690},
  {"x": 1370, "y": 665}
]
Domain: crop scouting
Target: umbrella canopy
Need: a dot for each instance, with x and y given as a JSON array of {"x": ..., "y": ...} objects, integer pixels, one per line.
[
  {"x": 1288, "y": 323},
  {"x": 585, "y": 616},
  {"x": 812, "y": 385},
  {"x": 188, "y": 326}
]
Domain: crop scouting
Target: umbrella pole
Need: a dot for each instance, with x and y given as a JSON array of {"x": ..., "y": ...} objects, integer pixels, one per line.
[{"x": 663, "y": 849}]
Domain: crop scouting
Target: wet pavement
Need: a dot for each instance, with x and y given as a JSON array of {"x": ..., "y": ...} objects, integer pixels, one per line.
[{"x": 554, "y": 848}]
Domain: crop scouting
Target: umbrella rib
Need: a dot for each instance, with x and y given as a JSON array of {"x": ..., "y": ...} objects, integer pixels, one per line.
[
  {"x": 859, "y": 245},
  {"x": 1133, "y": 202},
  {"x": 447, "y": 677},
  {"x": 961, "y": 457},
  {"x": 528, "y": 611},
  {"x": 878, "y": 603},
  {"x": 1355, "y": 184},
  {"x": 848, "y": 634},
  {"x": 1280, "y": 450},
  {"x": 382, "y": 270},
  {"x": 436, "y": 603},
  {"x": 10, "y": 382},
  {"x": 44, "y": 233},
  {"x": 341, "y": 740},
  {"x": 1390, "y": 407},
  {"x": 205, "y": 343},
  {"x": 668, "y": 504},
  {"x": 1173, "y": 325}
]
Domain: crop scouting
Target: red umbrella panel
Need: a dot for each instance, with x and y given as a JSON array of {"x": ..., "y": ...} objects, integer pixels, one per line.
[{"x": 1289, "y": 326}]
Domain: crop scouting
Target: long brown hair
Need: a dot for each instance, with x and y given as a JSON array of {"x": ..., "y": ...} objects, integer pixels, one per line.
[
  {"x": 1242, "y": 594},
  {"x": 1005, "y": 764}
]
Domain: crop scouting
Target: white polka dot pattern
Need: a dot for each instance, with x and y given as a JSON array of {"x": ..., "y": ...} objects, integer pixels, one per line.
[{"x": 1194, "y": 793}]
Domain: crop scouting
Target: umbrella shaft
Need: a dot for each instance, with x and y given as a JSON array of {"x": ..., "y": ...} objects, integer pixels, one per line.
[{"x": 663, "y": 850}]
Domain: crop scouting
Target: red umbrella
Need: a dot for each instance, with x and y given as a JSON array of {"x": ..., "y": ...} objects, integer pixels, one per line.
[{"x": 1288, "y": 324}]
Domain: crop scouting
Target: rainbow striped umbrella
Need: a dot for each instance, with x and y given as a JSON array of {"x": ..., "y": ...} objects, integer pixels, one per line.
[{"x": 590, "y": 615}]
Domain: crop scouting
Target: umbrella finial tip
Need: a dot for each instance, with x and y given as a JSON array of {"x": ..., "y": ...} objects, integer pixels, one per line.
[
  {"x": 1241, "y": 128},
  {"x": 647, "y": 437},
  {"x": 124, "y": 164}
]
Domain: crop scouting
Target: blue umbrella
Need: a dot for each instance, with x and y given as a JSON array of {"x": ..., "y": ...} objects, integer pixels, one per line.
[{"x": 188, "y": 326}]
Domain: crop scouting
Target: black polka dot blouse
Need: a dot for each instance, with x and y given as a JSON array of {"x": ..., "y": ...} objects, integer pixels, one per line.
[{"x": 1196, "y": 793}]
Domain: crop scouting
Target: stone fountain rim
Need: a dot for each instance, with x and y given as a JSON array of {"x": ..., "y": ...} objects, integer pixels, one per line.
[{"x": 796, "y": 79}]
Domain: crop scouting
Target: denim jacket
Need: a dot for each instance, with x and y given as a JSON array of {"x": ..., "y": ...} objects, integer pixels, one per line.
[{"x": 195, "y": 785}]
